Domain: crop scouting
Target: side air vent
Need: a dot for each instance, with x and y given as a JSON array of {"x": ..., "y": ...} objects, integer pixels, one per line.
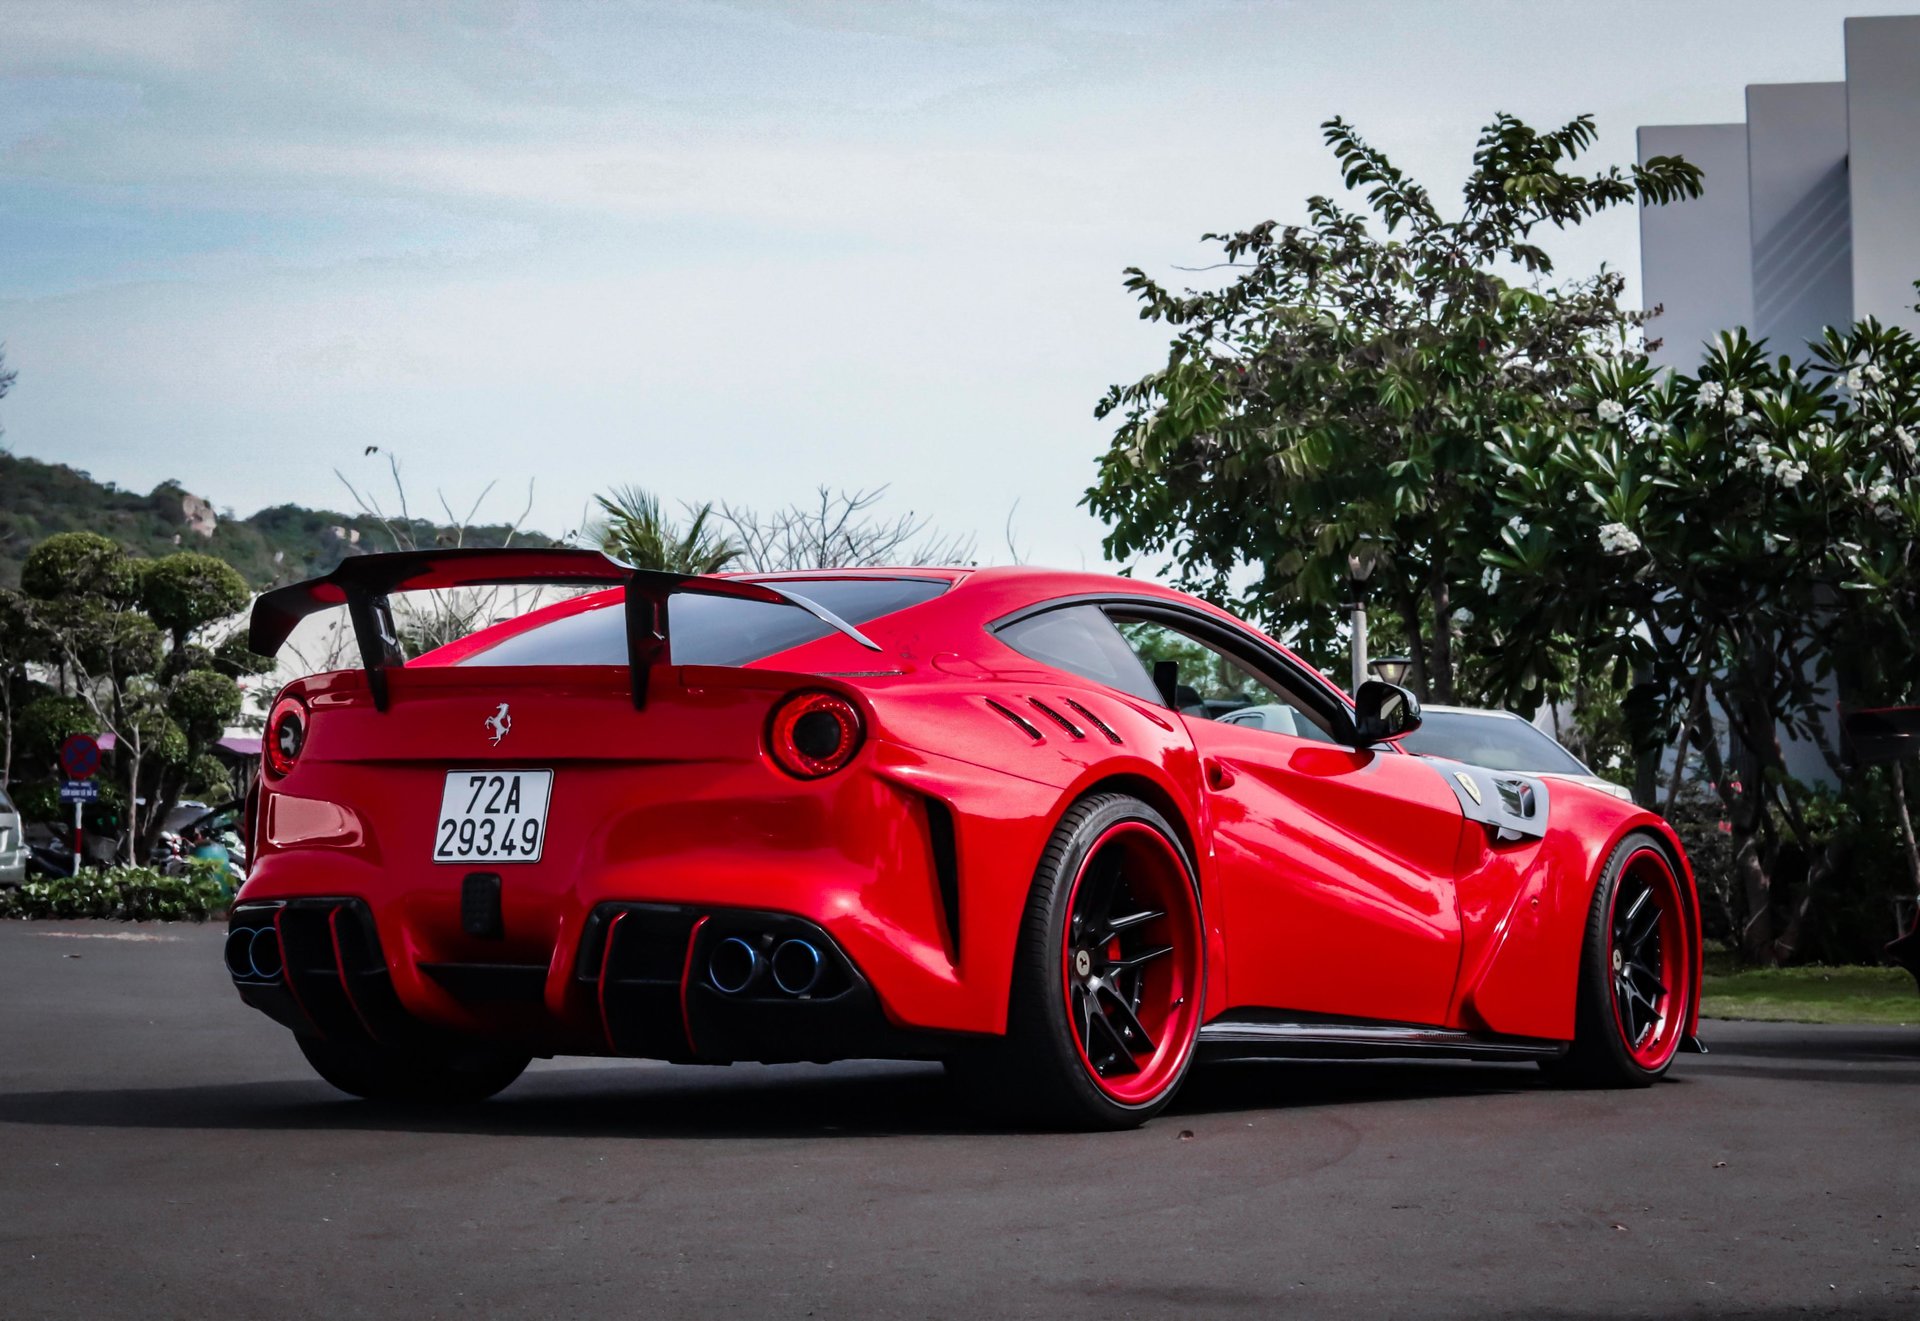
[
  {"x": 1056, "y": 717},
  {"x": 1094, "y": 720},
  {"x": 946, "y": 870},
  {"x": 1021, "y": 721}
]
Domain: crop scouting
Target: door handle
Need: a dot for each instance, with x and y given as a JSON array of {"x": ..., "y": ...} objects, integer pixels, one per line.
[{"x": 1218, "y": 776}]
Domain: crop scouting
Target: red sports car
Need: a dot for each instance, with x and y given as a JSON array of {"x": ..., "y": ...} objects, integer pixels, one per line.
[{"x": 1066, "y": 832}]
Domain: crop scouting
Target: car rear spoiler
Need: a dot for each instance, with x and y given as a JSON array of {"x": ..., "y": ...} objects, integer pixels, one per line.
[
  {"x": 1886, "y": 733},
  {"x": 364, "y": 584}
]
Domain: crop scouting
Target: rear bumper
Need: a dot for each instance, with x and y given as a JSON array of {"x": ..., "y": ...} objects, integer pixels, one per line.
[{"x": 638, "y": 982}]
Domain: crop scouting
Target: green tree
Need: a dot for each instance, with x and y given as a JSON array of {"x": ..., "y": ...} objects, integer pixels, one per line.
[
  {"x": 634, "y": 530},
  {"x": 126, "y": 637},
  {"x": 1343, "y": 384}
]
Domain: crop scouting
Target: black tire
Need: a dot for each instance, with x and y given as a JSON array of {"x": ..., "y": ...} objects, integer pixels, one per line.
[
  {"x": 1038, "y": 1073},
  {"x": 1601, "y": 1055},
  {"x": 415, "y": 1076}
]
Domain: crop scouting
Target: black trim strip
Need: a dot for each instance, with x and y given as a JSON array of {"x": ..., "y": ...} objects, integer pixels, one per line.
[{"x": 1230, "y": 1038}]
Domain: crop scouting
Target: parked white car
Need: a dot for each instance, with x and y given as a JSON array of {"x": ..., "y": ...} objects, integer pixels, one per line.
[
  {"x": 1501, "y": 741},
  {"x": 13, "y": 843}
]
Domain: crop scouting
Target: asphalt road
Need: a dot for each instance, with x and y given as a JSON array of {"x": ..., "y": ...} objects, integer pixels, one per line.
[{"x": 163, "y": 1152}]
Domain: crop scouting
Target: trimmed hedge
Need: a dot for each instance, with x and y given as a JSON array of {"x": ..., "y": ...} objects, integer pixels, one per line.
[{"x": 126, "y": 894}]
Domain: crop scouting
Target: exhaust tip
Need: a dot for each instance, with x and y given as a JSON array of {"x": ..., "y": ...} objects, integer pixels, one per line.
[
  {"x": 239, "y": 953},
  {"x": 797, "y": 967},
  {"x": 264, "y": 954},
  {"x": 253, "y": 953},
  {"x": 733, "y": 966}
]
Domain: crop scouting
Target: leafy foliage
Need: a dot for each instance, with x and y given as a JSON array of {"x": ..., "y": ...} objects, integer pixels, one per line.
[
  {"x": 125, "y": 894},
  {"x": 636, "y": 531},
  {"x": 1343, "y": 386},
  {"x": 1743, "y": 541}
]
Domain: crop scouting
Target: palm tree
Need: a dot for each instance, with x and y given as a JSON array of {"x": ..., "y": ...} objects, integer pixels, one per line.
[{"x": 636, "y": 532}]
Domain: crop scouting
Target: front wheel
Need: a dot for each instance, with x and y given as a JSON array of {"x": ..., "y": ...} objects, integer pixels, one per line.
[
  {"x": 1637, "y": 967},
  {"x": 418, "y": 1076},
  {"x": 1108, "y": 977}
]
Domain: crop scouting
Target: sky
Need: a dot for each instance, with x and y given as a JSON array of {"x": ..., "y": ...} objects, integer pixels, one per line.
[{"x": 724, "y": 251}]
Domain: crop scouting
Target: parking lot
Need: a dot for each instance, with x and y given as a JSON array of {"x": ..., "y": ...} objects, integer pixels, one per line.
[{"x": 167, "y": 1154}]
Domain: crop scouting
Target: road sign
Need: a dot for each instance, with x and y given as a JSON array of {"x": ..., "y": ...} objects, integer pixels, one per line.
[
  {"x": 80, "y": 756},
  {"x": 79, "y": 791}
]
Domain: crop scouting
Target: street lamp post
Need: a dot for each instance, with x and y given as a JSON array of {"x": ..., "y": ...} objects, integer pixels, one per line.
[
  {"x": 1360, "y": 561},
  {"x": 1391, "y": 668}
]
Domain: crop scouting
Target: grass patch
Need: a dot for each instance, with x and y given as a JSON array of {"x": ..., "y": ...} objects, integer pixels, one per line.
[{"x": 1811, "y": 995}]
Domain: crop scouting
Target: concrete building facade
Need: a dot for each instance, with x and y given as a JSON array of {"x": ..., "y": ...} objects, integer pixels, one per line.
[{"x": 1811, "y": 210}]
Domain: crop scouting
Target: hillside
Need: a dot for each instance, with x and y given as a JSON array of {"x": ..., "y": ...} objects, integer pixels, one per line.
[{"x": 276, "y": 545}]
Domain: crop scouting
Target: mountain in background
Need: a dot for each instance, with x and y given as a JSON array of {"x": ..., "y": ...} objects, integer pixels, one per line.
[{"x": 277, "y": 545}]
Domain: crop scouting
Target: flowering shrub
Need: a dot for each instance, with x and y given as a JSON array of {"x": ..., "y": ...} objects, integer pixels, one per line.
[
  {"x": 126, "y": 894},
  {"x": 1743, "y": 543}
]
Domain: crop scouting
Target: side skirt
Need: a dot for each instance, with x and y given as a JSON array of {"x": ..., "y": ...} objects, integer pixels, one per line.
[{"x": 1270, "y": 1036}]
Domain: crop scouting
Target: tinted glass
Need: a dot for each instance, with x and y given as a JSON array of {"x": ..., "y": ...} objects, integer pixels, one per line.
[
  {"x": 1081, "y": 640},
  {"x": 1498, "y": 742},
  {"x": 1212, "y": 685},
  {"x": 712, "y": 630}
]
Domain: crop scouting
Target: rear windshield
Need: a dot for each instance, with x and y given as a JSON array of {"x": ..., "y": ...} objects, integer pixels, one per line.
[{"x": 712, "y": 630}]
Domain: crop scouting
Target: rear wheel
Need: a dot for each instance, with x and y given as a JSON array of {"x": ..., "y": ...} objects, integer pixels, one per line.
[
  {"x": 420, "y": 1076},
  {"x": 1636, "y": 972},
  {"x": 1108, "y": 977}
]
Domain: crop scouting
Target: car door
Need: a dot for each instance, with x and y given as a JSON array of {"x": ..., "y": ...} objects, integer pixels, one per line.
[{"x": 1335, "y": 863}]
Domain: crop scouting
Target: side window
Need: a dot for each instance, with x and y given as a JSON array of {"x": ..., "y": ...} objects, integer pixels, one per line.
[
  {"x": 1212, "y": 685},
  {"x": 1081, "y": 640}
]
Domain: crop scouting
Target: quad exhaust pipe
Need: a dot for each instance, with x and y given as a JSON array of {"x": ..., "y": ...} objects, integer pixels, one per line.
[
  {"x": 797, "y": 966},
  {"x": 735, "y": 966},
  {"x": 254, "y": 953}
]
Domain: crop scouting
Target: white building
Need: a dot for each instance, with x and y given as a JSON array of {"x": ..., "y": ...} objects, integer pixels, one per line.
[{"x": 1811, "y": 214}]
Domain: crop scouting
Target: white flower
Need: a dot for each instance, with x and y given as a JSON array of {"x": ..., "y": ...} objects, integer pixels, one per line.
[
  {"x": 1709, "y": 394},
  {"x": 1791, "y": 472},
  {"x": 1618, "y": 539},
  {"x": 1856, "y": 380},
  {"x": 1490, "y": 579},
  {"x": 1610, "y": 410},
  {"x": 1877, "y": 430},
  {"x": 1875, "y": 372},
  {"x": 1880, "y": 493},
  {"x": 1734, "y": 402},
  {"x": 1905, "y": 438},
  {"x": 1519, "y": 526}
]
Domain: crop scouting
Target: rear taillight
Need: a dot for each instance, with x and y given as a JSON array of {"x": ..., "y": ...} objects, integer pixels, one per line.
[
  {"x": 286, "y": 735},
  {"x": 814, "y": 734}
]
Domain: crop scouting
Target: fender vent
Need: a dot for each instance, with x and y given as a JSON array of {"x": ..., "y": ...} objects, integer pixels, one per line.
[
  {"x": 1018, "y": 720},
  {"x": 1056, "y": 718},
  {"x": 1094, "y": 720}
]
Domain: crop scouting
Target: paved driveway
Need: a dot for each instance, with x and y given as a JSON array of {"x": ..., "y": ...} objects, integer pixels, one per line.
[{"x": 163, "y": 1152}]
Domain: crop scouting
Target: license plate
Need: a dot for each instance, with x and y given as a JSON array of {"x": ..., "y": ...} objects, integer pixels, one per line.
[{"x": 492, "y": 816}]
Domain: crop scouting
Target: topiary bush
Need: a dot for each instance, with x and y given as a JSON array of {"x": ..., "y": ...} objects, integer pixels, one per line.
[{"x": 125, "y": 894}]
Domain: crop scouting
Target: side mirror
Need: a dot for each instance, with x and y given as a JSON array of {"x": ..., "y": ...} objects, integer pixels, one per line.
[{"x": 1383, "y": 711}]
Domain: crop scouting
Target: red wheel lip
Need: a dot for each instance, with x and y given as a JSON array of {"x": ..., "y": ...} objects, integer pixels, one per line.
[
  {"x": 1188, "y": 961},
  {"x": 1675, "y": 957}
]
